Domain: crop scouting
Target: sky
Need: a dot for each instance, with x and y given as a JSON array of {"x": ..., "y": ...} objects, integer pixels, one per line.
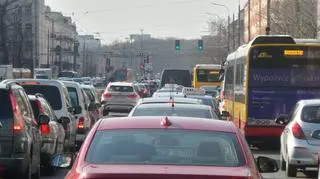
[{"x": 116, "y": 19}]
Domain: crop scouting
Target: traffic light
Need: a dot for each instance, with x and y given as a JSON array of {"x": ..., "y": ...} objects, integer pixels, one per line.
[
  {"x": 177, "y": 45},
  {"x": 200, "y": 44}
]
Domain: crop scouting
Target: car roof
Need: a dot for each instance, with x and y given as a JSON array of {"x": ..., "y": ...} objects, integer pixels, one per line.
[
  {"x": 120, "y": 83},
  {"x": 177, "y": 105},
  {"x": 200, "y": 96},
  {"x": 307, "y": 102},
  {"x": 167, "y": 100},
  {"x": 50, "y": 82},
  {"x": 154, "y": 122}
]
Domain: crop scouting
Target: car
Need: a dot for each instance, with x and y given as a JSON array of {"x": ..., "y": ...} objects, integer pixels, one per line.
[
  {"x": 93, "y": 96},
  {"x": 168, "y": 94},
  {"x": 53, "y": 135},
  {"x": 300, "y": 140},
  {"x": 207, "y": 100},
  {"x": 119, "y": 97},
  {"x": 168, "y": 100},
  {"x": 176, "y": 76},
  {"x": 79, "y": 100},
  {"x": 56, "y": 93},
  {"x": 173, "y": 109},
  {"x": 164, "y": 147},
  {"x": 20, "y": 136},
  {"x": 211, "y": 90}
]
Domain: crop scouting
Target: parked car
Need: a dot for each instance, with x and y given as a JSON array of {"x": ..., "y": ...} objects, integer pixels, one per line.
[
  {"x": 300, "y": 140},
  {"x": 82, "y": 116},
  {"x": 119, "y": 97},
  {"x": 53, "y": 135},
  {"x": 20, "y": 137},
  {"x": 164, "y": 147},
  {"x": 56, "y": 93}
]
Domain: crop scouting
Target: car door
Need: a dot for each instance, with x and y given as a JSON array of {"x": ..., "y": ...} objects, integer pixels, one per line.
[
  {"x": 32, "y": 127},
  {"x": 287, "y": 129}
]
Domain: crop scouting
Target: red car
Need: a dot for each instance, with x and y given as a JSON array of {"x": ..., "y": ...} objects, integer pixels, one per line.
[{"x": 164, "y": 148}]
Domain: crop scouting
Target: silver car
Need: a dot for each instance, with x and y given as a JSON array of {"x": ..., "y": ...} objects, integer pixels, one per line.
[
  {"x": 119, "y": 97},
  {"x": 300, "y": 140}
]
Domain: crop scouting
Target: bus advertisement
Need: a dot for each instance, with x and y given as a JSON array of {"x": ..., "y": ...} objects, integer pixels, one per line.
[
  {"x": 206, "y": 75},
  {"x": 264, "y": 81}
]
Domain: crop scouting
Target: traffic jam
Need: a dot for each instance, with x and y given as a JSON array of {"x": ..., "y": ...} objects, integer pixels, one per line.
[{"x": 202, "y": 124}]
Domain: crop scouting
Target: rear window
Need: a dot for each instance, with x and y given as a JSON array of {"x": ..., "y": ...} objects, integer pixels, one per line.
[
  {"x": 51, "y": 93},
  {"x": 311, "y": 114},
  {"x": 180, "y": 77},
  {"x": 6, "y": 108},
  {"x": 73, "y": 96},
  {"x": 165, "y": 147},
  {"x": 162, "y": 110},
  {"x": 35, "y": 109},
  {"x": 126, "y": 89}
]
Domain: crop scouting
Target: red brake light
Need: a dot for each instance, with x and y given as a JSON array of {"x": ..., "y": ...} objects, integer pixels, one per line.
[
  {"x": 45, "y": 129},
  {"x": 107, "y": 95},
  {"x": 81, "y": 123},
  {"x": 297, "y": 131},
  {"x": 133, "y": 96},
  {"x": 31, "y": 83},
  {"x": 18, "y": 118}
]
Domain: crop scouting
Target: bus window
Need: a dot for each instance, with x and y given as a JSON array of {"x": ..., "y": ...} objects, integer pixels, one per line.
[{"x": 208, "y": 75}]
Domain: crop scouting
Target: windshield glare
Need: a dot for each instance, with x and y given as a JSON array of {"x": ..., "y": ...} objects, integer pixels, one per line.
[{"x": 165, "y": 147}]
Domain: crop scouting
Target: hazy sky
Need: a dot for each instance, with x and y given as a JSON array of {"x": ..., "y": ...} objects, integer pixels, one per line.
[{"x": 115, "y": 19}]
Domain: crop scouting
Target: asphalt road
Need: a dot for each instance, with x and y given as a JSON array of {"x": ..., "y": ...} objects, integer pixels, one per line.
[{"x": 271, "y": 154}]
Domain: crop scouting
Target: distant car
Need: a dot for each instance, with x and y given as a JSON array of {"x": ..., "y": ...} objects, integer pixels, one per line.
[
  {"x": 93, "y": 96},
  {"x": 168, "y": 94},
  {"x": 300, "y": 140},
  {"x": 164, "y": 148},
  {"x": 207, "y": 100},
  {"x": 19, "y": 130},
  {"x": 174, "y": 109},
  {"x": 176, "y": 76},
  {"x": 211, "y": 90},
  {"x": 56, "y": 93},
  {"x": 53, "y": 135},
  {"x": 119, "y": 97}
]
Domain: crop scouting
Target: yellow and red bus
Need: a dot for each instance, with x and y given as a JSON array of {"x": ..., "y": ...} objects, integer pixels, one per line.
[
  {"x": 265, "y": 79},
  {"x": 206, "y": 75}
]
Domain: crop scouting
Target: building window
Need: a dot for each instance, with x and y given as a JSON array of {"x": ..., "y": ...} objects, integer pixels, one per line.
[
  {"x": 28, "y": 29},
  {"x": 28, "y": 9}
]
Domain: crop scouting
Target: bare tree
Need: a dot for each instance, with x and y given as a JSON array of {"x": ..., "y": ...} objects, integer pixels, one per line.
[{"x": 4, "y": 8}]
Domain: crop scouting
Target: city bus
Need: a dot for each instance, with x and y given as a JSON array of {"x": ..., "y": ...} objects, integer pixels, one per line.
[
  {"x": 264, "y": 79},
  {"x": 206, "y": 75}
]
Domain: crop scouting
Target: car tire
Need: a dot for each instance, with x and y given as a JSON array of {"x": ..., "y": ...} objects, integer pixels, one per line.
[
  {"x": 282, "y": 162},
  {"x": 291, "y": 170}
]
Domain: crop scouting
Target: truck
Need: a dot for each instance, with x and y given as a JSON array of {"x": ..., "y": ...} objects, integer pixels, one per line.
[
  {"x": 43, "y": 73},
  {"x": 6, "y": 72}
]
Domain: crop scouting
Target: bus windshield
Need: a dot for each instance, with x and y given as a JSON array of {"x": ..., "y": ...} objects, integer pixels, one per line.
[{"x": 208, "y": 75}]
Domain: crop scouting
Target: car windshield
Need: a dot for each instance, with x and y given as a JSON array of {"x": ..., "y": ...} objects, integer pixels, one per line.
[
  {"x": 165, "y": 147},
  {"x": 311, "y": 114},
  {"x": 73, "y": 96},
  {"x": 51, "y": 93},
  {"x": 167, "y": 110},
  {"x": 115, "y": 88}
]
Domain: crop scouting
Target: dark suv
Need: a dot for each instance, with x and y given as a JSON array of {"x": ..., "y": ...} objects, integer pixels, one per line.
[{"x": 20, "y": 137}]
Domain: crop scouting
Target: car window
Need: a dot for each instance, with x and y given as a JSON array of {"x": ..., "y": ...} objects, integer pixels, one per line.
[
  {"x": 73, "y": 96},
  {"x": 311, "y": 114},
  {"x": 66, "y": 97},
  {"x": 24, "y": 105},
  {"x": 89, "y": 94},
  {"x": 51, "y": 93},
  {"x": 165, "y": 147},
  {"x": 126, "y": 89},
  {"x": 6, "y": 107},
  {"x": 157, "y": 110},
  {"x": 35, "y": 108}
]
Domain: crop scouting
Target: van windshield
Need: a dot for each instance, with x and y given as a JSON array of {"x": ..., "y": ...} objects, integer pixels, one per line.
[{"x": 180, "y": 77}]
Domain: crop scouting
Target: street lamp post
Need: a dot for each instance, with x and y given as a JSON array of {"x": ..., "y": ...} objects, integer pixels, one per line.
[{"x": 228, "y": 11}]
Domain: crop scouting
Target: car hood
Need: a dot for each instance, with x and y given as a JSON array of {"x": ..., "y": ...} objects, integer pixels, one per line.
[{"x": 163, "y": 172}]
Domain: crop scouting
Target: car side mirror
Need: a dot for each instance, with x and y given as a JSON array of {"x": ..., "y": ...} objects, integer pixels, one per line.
[
  {"x": 267, "y": 165},
  {"x": 63, "y": 160},
  {"x": 282, "y": 119},
  {"x": 64, "y": 120},
  {"x": 43, "y": 119},
  {"x": 77, "y": 110},
  {"x": 91, "y": 107}
]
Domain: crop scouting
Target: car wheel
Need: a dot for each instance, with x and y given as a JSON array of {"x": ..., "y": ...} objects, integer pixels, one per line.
[
  {"x": 282, "y": 162},
  {"x": 291, "y": 170}
]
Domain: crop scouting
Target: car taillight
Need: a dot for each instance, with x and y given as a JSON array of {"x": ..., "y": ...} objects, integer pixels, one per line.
[
  {"x": 133, "y": 96},
  {"x": 297, "y": 131},
  {"x": 81, "y": 123},
  {"x": 45, "y": 129},
  {"x": 107, "y": 95},
  {"x": 18, "y": 125}
]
